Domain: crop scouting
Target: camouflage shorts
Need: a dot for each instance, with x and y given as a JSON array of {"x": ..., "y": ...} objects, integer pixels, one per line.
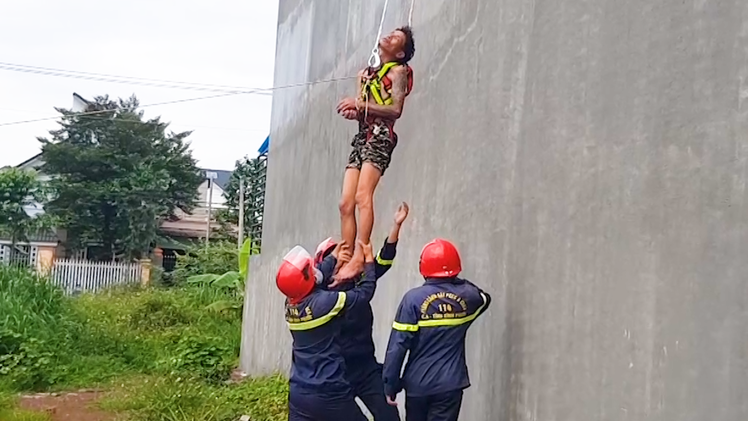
[{"x": 377, "y": 150}]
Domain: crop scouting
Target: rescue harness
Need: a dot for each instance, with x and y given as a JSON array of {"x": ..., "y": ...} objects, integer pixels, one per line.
[{"x": 377, "y": 83}]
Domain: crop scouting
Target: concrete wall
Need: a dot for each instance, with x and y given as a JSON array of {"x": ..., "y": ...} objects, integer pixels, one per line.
[{"x": 589, "y": 159}]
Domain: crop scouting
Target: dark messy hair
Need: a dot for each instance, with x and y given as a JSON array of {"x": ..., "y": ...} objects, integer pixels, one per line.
[{"x": 409, "y": 48}]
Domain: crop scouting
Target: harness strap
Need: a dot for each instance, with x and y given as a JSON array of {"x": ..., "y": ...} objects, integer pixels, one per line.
[{"x": 373, "y": 84}]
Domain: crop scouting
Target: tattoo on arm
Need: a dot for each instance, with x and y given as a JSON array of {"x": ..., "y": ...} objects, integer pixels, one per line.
[{"x": 400, "y": 88}]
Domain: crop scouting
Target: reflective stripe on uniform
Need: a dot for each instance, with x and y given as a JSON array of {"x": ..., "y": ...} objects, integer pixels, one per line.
[
  {"x": 440, "y": 322},
  {"x": 383, "y": 262},
  {"x": 313, "y": 324},
  {"x": 404, "y": 327}
]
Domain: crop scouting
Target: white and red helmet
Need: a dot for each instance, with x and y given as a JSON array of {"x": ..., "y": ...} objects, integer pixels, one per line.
[
  {"x": 324, "y": 248},
  {"x": 297, "y": 275}
]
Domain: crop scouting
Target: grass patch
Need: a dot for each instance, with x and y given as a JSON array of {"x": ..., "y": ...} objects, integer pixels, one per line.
[
  {"x": 173, "y": 353},
  {"x": 9, "y": 412},
  {"x": 174, "y": 398}
]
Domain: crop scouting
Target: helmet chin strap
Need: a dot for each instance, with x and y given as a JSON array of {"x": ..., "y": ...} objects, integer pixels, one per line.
[{"x": 318, "y": 277}]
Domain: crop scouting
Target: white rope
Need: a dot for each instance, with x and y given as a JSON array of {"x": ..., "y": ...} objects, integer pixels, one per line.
[
  {"x": 410, "y": 15},
  {"x": 374, "y": 60}
]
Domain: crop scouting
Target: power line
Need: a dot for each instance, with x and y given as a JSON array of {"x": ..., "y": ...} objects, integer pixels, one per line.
[
  {"x": 296, "y": 85},
  {"x": 11, "y": 123},
  {"x": 141, "y": 121},
  {"x": 101, "y": 77},
  {"x": 127, "y": 120}
]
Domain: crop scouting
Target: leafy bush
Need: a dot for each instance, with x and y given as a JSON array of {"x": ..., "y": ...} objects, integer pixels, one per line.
[
  {"x": 52, "y": 341},
  {"x": 158, "y": 312},
  {"x": 163, "y": 353},
  {"x": 202, "y": 357},
  {"x": 217, "y": 257},
  {"x": 23, "y": 363}
]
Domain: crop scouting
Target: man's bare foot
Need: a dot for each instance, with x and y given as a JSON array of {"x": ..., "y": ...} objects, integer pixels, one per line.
[{"x": 352, "y": 269}]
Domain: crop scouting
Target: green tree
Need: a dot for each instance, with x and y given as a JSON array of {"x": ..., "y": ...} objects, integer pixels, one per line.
[
  {"x": 19, "y": 190},
  {"x": 250, "y": 171},
  {"x": 116, "y": 176}
]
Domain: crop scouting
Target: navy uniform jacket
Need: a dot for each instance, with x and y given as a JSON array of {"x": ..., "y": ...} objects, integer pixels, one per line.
[
  {"x": 432, "y": 322},
  {"x": 356, "y": 339},
  {"x": 317, "y": 362}
]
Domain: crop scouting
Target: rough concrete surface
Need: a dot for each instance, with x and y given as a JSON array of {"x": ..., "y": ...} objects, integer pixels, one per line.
[{"x": 588, "y": 158}]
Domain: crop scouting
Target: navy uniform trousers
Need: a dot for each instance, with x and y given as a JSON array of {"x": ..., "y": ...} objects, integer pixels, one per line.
[
  {"x": 308, "y": 406},
  {"x": 443, "y": 407},
  {"x": 366, "y": 380}
]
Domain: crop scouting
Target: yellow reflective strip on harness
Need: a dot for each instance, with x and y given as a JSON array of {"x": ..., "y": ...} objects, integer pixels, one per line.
[
  {"x": 313, "y": 324},
  {"x": 453, "y": 322},
  {"x": 402, "y": 327},
  {"x": 375, "y": 87},
  {"x": 383, "y": 262}
]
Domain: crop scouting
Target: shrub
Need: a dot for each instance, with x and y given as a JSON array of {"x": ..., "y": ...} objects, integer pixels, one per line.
[
  {"x": 23, "y": 363},
  {"x": 51, "y": 341},
  {"x": 162, "y": 351},
  {"x": 157, "y": 312},
  {"x": 217, "y": 257},
  {"x": 202, "y": 357}
]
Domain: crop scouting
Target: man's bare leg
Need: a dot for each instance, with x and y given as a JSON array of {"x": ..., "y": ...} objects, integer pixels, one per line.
[
  {"x": 367, "y": 184},
  {"x": 348, "y": 207}
]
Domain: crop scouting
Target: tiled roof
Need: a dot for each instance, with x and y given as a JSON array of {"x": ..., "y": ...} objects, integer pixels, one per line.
[{"x": 43, "y": 236}]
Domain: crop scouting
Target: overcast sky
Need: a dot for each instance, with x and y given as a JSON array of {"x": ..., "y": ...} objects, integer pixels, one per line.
[{"x": 220, "y": 42}]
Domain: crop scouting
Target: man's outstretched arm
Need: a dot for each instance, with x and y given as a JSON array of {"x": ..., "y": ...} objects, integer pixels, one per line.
[
  {"x": 399, "y": 91},
  {"x": 386, "y": 255}
]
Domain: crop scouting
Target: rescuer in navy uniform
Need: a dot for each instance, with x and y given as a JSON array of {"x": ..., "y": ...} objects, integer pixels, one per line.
[
  {"x": 318, "y": 388},
  {"x": 363, "y": 371},
  {"x": 432, "y": 322}
]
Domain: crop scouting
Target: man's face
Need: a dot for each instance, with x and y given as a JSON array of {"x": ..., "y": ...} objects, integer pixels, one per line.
[{"x": 393, "y": 44}]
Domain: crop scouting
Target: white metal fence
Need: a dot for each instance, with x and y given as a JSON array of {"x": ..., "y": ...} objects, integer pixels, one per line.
[{"x": 85, "y": 276}]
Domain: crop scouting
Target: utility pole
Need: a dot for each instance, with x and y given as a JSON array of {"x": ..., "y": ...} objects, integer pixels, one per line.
[
  {"x": 241, "y": 212},
  {"x": 211, "y": 176}
]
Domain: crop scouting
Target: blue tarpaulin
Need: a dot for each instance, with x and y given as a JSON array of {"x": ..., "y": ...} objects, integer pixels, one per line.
[{"x": 265, "y": 146}]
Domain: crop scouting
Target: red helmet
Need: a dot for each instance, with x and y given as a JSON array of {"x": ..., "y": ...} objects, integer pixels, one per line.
[
  {"x": 296, "y": 275},
  {"x": 440, "y": 259},
  {"x": 323, "y": 249}
]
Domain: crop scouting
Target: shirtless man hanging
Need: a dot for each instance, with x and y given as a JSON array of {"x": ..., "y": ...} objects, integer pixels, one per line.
[{"x": 380, "y": 102}]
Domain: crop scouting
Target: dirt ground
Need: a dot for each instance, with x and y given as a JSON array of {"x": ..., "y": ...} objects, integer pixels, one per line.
[{"x": 75, "y": 406}]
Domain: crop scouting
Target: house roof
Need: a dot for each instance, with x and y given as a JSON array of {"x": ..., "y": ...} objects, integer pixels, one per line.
[
  {"x": 28, "y": 161},
  {"x": 222, "y": 179},
  {"x": 40, "y": 236}
]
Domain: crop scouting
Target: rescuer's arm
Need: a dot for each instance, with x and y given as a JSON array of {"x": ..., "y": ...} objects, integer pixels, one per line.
[
  {"x": 329, "y": 264},
  {"x": 392, "y": 111},
  {"x": 364, "y": 290},
  {"x": 404, "y": 331},
  {"x": 327, "y": 267},
  {"x": 385, "y": 258},
  {"x": 485, "y": 299},
  {"x": 386, "y": 255}
]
